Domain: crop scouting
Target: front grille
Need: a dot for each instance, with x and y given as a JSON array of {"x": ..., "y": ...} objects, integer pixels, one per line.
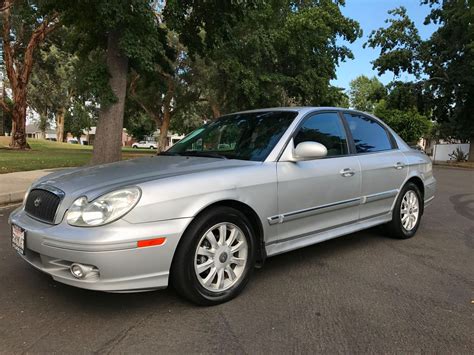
[{"x": 42, "y": 204}]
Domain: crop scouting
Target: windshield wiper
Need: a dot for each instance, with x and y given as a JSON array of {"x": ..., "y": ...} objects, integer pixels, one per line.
[
  {"x": 168, "y": 153},
  {"x": 203, "y": 154}
]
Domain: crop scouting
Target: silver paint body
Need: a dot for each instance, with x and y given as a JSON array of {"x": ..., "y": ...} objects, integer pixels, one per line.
[{"x": 298, "y": 204}]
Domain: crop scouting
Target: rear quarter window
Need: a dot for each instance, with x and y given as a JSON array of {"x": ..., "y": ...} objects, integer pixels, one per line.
[{"x": 369, "y": 136}]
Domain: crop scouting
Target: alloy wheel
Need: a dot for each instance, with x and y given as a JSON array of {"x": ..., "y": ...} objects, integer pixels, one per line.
[
  {"x": 410, "y": 210},
  {"x": 221, "y": 257}
]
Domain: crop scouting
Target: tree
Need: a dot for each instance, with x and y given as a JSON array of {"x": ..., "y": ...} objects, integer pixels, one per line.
[
  {"x": 25, "y": 25},
  {"x": 443, "y": 63},
  {"x": 365, "y": 93},
  {"x": 113, "y": 37},
  {"x": 408, "y": 123},
  {"x": 272, "y": 54},
  {"x": 54, "y": 74}
]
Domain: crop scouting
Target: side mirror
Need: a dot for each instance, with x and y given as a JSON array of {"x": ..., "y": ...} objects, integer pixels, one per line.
[
  {"x": 304, "y": 151},
  {"x": 309, "y": 151}
]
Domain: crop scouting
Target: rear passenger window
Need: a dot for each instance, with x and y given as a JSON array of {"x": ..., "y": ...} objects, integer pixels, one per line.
[
  {"x": 369, "y": 136},
  {"x": 327, "y": 129}
]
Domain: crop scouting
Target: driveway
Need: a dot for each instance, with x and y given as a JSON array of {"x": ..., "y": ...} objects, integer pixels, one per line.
[{"x": 360, "y": 293}]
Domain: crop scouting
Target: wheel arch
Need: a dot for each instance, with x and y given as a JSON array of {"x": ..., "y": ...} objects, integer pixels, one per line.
[{"x": 252, "y": 216}]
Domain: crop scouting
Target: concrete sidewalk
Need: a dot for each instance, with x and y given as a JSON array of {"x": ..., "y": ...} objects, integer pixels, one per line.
[{"x": 14, "y": 185}]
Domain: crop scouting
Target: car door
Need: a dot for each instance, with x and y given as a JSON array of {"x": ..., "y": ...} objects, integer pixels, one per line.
[
  {"x": 317, "y": 195},
  {"x": 383, "y": 166}
]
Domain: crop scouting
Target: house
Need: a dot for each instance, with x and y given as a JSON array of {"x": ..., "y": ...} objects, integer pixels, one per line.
[{"x": 32, "y": 131}]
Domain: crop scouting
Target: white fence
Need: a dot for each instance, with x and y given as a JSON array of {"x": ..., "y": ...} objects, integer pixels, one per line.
[{"x": 441, "y": 151}]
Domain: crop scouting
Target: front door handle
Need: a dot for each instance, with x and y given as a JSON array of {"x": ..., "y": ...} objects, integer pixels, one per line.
[
  {"x": 399, "y": 165},
  {"x": 347, "y": 172}
]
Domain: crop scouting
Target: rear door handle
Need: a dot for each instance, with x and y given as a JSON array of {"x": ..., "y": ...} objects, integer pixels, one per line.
[
  {"x": 347, "y": 172},
  {"x": 399, "y": 165}
]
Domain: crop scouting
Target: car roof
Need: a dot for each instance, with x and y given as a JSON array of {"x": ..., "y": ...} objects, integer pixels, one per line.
[{"x": 299, "y": 109}]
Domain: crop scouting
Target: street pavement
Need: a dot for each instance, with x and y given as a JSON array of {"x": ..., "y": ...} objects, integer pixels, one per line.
[{"x": 360, "y": 293}]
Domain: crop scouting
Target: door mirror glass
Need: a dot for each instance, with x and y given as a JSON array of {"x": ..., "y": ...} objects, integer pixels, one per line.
[{"x": 309, "y": 151}]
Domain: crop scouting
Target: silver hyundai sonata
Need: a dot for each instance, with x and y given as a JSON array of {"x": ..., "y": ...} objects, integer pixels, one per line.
[{"x": 204, "y": 213}]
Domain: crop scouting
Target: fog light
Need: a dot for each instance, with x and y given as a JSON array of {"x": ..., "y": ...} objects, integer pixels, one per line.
[{"x": 80, "y": 271}]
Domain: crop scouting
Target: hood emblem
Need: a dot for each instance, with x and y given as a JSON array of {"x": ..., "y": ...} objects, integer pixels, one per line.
[{"x": 37, "y": 202}]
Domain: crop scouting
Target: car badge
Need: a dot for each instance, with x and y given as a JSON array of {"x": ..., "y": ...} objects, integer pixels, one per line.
[{"x": 37, "y": 202}]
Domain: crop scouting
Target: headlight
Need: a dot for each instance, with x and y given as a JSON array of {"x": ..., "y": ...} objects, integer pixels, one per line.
[{"x": 104, "y": 209}]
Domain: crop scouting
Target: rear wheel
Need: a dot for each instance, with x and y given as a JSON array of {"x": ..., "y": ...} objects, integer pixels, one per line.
[
  {"x": 407, "y": 212},
  {"x": 215, "y": 258}
]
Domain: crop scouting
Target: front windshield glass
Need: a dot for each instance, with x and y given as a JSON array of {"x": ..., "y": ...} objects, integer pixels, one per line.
[{"x": 246, "y": 136}]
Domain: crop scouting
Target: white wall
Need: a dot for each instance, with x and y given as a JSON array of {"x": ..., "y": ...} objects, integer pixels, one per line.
[{"x": 441, "y": 151}]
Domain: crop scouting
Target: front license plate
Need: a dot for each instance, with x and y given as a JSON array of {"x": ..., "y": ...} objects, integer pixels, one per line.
[{"x": 18, "y": 239}]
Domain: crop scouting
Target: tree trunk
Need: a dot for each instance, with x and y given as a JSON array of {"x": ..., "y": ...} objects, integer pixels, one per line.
[
  {"x": 165, "y": 123},
  {"x": 18, "y": 140},
  {"x": 108, "y": 138},
  {"x": 216, "y": 112},
  {"x": 471, "y": 149},
  {"x": 60, "y": 125}
]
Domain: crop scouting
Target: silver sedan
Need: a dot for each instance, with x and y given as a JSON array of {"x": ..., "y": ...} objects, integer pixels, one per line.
[{"x": 203, "y": 214}]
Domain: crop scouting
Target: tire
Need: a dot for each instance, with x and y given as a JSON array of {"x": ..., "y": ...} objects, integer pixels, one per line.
[
  {"x": 402, "y": 227},
  {"x": 211, "y": 286},
  {"x": 152, "y": 147},
  {"x": 134, "y": 147}
]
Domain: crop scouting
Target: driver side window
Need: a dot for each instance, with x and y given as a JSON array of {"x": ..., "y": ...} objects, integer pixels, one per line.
[{"x": 327, "y": 129}]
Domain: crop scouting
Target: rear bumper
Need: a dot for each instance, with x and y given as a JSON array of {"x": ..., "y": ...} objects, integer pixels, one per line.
[{"x": 110, "y": 249}]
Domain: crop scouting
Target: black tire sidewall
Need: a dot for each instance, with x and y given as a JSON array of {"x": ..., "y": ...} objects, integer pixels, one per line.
[{"x": 183, "y": 273}]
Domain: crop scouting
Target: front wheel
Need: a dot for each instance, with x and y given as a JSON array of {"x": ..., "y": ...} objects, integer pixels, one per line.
[
  {"x": 215, "y": 257},
  {"x": 407, "y": 212}
]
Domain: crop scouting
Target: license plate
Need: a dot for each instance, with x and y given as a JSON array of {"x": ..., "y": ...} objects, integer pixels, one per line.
[{"x": 18, "y": 239}]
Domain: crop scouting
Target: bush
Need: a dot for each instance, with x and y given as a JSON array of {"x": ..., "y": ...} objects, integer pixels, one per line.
[
  {"x": 409, "y": 124},
  {"x": 458, "y": 155}
]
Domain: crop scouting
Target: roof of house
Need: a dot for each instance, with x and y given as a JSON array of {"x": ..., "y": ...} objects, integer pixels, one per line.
[{"x": 33, "y": 128}]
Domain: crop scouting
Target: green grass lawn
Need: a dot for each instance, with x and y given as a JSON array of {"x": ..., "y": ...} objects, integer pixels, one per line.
[{"x": 46, "y": 154}]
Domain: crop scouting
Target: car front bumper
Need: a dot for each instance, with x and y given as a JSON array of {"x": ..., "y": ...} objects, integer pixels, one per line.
[{"x": 120, "y": 266}]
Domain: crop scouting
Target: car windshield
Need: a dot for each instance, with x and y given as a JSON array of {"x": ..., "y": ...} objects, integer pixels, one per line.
[{"x": 245, "y": 136}]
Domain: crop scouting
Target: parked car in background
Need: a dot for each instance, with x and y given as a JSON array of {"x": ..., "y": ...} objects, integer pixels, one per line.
[
  {"x": 240, "y": 189},
  {"x": 144, "y": 144}
]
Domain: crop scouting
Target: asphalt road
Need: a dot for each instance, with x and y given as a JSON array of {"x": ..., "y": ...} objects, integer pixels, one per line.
[{"x": 360, "y": 293}]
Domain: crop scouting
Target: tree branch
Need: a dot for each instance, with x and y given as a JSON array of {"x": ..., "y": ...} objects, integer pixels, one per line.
[
  {"x": 133, "y": 95},
  {"x": 38, "y": 35},
  {"x": 7, "y": 49}
]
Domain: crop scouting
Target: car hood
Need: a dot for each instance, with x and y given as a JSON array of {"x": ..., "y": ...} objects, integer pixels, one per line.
[{"x": 98, "y": 179}]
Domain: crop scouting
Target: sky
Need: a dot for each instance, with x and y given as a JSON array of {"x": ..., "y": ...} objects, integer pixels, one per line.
[{"x": 371, "y": 15}]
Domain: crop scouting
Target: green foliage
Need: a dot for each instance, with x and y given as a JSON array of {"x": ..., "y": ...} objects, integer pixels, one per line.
[
  {"x": 409, "y": 124},
  {"x": 365, "y": 93},
  {"x": 139, "y": 125},
  {"x": 443, "y": 63},
  {"x": 399, "y": 43},
  {"x": 142, "y": 39},
  {"x": 279, "y": 53},
  {"x": 80, "y": 116}
]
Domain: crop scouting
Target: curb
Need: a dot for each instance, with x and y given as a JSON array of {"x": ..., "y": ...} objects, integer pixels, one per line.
[{"x": 11, "y": 198}]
